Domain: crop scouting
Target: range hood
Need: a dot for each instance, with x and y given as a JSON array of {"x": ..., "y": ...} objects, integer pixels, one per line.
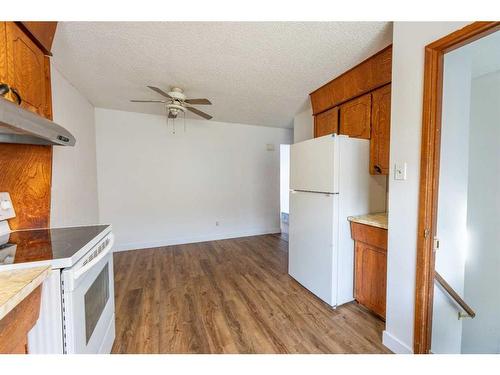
[{"x": 18, "y": 125}]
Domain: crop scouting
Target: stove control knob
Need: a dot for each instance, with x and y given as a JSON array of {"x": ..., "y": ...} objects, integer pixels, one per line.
[{"x": 5, "y": 205}]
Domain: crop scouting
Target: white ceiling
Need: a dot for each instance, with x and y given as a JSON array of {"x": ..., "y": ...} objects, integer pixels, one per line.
[{"x": 253, "y": 72}]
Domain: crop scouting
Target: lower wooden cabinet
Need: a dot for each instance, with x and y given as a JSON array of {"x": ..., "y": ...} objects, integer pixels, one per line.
[
  {"x": 14, "y": 327},
  {"x": 355, "y": 117},
  {"x": 326, "y": 123},
  {"x": 370, "y": 267}
]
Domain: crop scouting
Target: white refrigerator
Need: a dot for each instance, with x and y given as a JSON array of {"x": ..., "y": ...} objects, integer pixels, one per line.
[{"x": 329, "y": 181}]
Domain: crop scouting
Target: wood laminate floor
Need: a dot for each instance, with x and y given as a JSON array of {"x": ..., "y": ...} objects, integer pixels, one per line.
[{"x": 229, "y": 296}]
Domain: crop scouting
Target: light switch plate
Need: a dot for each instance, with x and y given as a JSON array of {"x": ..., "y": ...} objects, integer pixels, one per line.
[
  {"x": 400, "y": 171},
  {"x": 270, "y": 147}
]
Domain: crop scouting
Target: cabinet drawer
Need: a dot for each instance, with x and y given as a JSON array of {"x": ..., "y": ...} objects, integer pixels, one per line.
[
  {"x": 355, "y": 117},
  {"x": 326, "y": 122},
  {"x": 370, "y": 235}
]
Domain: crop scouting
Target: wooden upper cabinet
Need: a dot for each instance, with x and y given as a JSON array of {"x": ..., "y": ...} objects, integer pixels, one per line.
[
  {"x": 27, "y": 70},
  {"x": 26, "y": 170},
  {"x": 42, "y": 33},
  {"x": 369, "y": 75},
  {"x": 3, "y": 53},
  {"x": 326, "y": 122},
  {"x": 355, "y": 117},
  {"x": 380, "y": 133}
]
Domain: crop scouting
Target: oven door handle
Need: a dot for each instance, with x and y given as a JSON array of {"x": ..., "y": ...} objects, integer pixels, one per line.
[{"x": 79, "y": 272}]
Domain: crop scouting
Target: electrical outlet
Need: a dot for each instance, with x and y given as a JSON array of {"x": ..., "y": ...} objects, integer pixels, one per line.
[{"x": 400, "y": 171}]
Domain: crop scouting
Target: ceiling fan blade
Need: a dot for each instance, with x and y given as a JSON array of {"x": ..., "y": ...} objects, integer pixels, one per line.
[
  {"x": 199, "y": 113},
  {"x": 147, "y": 101},
  {"x": 160, "y": 91},
  {"x": 198, "y": 101}
]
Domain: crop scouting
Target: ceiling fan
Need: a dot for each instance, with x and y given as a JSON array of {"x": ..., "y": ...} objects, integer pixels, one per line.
[{"x": 176, "y": 102}]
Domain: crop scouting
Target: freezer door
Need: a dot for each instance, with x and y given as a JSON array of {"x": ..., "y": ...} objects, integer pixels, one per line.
[
  {"x": 313, "y": 241},
  {"x": 314, "y": 165}
]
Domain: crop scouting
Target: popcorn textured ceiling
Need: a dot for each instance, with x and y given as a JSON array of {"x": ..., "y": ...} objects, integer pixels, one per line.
[{"x": 256, "y": 73}]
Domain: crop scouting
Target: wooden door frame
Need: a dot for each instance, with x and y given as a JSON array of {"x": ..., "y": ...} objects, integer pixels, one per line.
[{"x": 429, "y": 173}]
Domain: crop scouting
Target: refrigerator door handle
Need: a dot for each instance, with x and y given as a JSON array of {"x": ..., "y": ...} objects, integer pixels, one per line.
[{"x": 312, "y": 192}]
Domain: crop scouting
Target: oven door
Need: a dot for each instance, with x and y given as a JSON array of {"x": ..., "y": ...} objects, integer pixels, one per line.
[{"x": 88, "y": 302}]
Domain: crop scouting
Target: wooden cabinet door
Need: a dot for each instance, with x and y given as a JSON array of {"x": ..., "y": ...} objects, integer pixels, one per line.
[
  {"x": 326, "y": 122},
  {"x": 355, "y": 117},
  {"x": 370, "y": 277},
  {"x": 27, "y": 71},
  {"x": 15, "y": 326},
  {"x": 380, "y": 131},
  {"x": 3, "y": 53}
]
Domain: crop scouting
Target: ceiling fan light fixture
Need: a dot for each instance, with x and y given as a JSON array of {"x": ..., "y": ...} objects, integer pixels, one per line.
[
  {"x": 175, "y": 107},
  {"x": 177, "y": 94},
  {"x": 176, "y": 103}
]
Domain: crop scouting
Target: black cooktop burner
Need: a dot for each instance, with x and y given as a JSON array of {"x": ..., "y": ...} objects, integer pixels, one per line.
[{"x": 54, "y": 244}]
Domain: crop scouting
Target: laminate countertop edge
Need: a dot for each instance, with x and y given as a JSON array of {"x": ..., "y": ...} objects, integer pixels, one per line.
[
  {"x": 16, "y": 285},
  {"x": 378, "y": 220}
]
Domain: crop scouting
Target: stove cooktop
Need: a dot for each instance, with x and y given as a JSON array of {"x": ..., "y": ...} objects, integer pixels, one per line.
[{"x": 58, "y": 247}]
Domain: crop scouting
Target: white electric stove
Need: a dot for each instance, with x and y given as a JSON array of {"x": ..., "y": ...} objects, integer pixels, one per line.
[{"x": 77, "y": 312}]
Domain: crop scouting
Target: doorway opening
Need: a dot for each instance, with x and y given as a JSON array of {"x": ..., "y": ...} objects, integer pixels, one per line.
[{"x": 458, "y": 257}]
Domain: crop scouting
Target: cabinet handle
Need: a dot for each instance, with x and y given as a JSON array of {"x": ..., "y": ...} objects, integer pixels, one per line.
[
  {"x": 377, "y": 169},
  {"x": 5, "y": 89},
  {"x": 17, "y": 95}
]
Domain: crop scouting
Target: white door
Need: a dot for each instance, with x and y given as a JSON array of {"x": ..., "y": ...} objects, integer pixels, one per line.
[
  {"x": 312, "y": 259},
  {"x": 314, "y": 165}
]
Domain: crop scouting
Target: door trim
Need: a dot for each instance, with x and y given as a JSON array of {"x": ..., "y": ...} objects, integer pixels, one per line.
[{"x": 429, "y": 173}]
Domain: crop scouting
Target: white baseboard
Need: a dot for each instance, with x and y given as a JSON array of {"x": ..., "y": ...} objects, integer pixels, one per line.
[
  {"x": 187, "y": 240},
  {"x": 394, "y": 344}
]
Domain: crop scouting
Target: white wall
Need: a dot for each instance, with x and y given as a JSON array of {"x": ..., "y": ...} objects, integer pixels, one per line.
[
  {"x": 452, "y": 203},
  {"x": 157, "y": 188},
  {"x": 409, "y": 40},
  {"x": 303, "y": 125},
  {"x": 482, "y": 276},
  {"x": 74, "y": 171}
]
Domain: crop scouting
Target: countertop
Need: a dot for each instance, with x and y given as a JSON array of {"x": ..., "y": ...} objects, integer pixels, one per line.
[
  {"x": 16, "y": 285},
  {"x": 55, "y": 247},
  {"x": 378, "y": 220}
]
